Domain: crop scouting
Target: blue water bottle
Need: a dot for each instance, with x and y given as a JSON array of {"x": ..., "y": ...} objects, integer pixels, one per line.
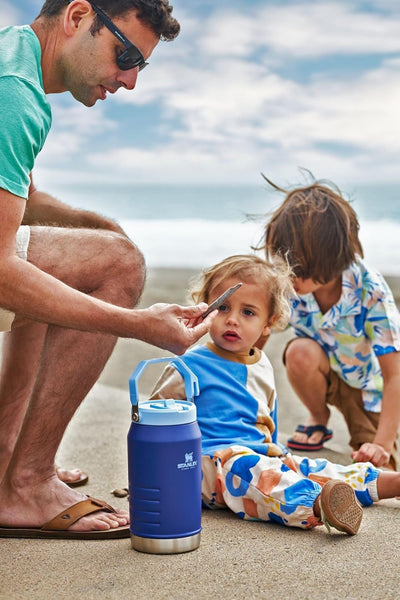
[{"x": 164, "y": 462}]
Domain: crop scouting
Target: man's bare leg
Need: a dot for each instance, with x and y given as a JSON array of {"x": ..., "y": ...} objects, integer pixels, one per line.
[
  {"x": 21, "y": 352},
  {"x": 308, "y": 367},
  {"x": 20, "y": 359},
  {"x": 108, "y": 267}
]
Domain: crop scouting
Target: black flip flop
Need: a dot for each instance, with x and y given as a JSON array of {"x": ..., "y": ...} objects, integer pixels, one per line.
[{"x": 309, "y": 430}]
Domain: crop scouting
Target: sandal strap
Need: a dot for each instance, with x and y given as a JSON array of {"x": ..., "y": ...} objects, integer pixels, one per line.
[
  {"x": 310, "y": 429},
  {"x": 69, "y": 516}
]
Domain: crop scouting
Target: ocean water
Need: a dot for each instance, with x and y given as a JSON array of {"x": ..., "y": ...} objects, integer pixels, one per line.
[{"x": 196, "y": 226}]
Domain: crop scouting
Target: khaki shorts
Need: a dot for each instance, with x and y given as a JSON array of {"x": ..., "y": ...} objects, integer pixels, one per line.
[
  {"x": 362, "y": 424},
  {"x": 22, "y": 242}
]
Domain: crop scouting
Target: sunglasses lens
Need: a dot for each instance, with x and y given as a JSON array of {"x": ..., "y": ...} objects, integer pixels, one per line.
[{"x": 130, "y": 59}]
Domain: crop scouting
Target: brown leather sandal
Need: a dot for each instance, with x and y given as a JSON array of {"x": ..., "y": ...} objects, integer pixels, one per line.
[{"x": 58, "y": 528}]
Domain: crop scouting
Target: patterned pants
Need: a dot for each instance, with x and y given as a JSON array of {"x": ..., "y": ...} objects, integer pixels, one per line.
[{"x": 280, "y": 489}]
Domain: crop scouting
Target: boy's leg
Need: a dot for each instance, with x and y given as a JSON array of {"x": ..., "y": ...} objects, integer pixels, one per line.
[
  {"x": 362, "y": 425},
  {"x": 308, "y": 369},
  {"x": 388, "y": 485}
]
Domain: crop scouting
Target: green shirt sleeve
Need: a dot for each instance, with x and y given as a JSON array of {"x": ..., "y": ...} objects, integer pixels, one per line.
[{"x": 25, "y": 120}]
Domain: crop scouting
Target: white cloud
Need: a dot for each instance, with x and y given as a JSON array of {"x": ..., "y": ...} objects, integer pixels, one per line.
[
  {"x": 227, "y": 107},
  {"x": 9, "y": 14},
  {"x": 305, "y": 29},
  {"x": 74, "y": 127}
]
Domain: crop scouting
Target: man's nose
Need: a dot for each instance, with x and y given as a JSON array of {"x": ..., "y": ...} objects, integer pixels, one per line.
[{"x": 128, "y": 78}]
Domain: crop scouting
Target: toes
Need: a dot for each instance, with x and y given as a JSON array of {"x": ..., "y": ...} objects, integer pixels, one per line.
[
  {"x": 68, "y": 475},
  {"x": 100, "y": 521}
]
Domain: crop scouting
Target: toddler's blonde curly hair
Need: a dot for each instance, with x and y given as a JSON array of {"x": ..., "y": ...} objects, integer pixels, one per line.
[{"x": 273, "y": 276}]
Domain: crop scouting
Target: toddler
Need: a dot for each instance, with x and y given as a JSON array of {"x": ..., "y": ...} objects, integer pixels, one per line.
[{"x": 244, "y": 466}]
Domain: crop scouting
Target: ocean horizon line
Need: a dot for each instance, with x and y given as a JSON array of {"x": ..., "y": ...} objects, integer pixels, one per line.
[{"x": 199, "y": 243}]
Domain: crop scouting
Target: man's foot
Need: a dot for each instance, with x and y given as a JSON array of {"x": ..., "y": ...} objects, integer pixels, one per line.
[
  {"x": 36, "y": 504},
  {"x": 72, "y": 477},
  {"x": 338, "y": 507},
  {"x": 309, "y": 438},
  {"x": 60, "y": 526}
]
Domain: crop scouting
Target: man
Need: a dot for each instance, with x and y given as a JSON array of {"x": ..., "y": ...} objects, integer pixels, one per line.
[{"x": 69, "y": 279}]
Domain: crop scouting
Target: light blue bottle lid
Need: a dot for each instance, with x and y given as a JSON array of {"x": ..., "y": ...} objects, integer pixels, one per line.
[{"x": 167, "y": 412}]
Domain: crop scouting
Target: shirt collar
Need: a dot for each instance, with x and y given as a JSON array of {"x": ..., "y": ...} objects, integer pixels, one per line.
[{"x": 349, "y": 302}]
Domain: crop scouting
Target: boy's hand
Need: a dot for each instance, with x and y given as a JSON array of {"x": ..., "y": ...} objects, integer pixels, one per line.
[{"x": 370, "y": 452}]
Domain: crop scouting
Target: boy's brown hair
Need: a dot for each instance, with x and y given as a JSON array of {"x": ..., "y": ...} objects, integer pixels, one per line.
[
  {"x": 316, "y": 230},
  {"x": 274, "y": 276}
]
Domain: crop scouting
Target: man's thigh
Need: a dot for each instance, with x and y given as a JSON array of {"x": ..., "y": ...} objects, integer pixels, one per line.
[{"x": 81, "y": 258}]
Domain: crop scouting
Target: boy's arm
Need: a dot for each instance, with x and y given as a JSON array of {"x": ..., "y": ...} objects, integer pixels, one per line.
[{"x": 378, "y": 452}]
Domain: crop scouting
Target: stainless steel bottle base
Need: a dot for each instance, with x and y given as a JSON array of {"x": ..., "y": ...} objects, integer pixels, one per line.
[{"x": 165, "y": 546}]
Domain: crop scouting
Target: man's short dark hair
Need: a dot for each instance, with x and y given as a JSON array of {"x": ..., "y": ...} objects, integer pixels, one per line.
[{"x": 155, "y": 14}]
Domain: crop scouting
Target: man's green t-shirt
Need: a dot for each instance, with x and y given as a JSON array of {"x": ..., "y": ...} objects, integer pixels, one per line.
[{"x": 25, "y": 113}]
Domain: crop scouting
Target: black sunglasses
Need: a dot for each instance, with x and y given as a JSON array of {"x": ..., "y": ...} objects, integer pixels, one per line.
[{"x": 131, "y": 57}]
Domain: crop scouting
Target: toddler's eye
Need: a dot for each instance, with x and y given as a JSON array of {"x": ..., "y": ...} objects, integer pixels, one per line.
[
  {"x": 248, "y": 312},
  {"x": 222, "y": 308}
]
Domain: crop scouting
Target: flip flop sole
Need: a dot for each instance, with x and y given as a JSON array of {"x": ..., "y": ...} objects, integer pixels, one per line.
[
  {"x": 293, "y": 445},
  {"x": 308, "y": 447},
  {"x": 35, "y": 533},
  {"x": 304, "y": 447}
]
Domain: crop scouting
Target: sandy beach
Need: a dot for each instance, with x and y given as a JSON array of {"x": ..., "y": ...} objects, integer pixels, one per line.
[{"x": 236, "y": 560}]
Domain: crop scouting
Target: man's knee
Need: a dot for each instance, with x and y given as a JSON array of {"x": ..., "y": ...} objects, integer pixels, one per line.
[
  {"x": 303, "y": 355},
  {"x": 105, "y": 264},
  {"x": 127, "y": 270}
]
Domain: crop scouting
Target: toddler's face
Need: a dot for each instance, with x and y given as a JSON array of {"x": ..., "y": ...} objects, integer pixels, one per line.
[{"x": 242, "y": 319}]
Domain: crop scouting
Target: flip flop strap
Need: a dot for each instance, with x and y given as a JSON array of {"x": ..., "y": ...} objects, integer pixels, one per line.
[
  {"x": 310, "y": 429},
  {"x": 68, "y": 517}
]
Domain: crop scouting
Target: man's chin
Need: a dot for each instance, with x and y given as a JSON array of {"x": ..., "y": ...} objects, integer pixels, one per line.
[{"x": 85, "y": 101}]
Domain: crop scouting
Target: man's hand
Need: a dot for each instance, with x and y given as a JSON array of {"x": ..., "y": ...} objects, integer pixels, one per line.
[
  {"x": 173, "y": 327},
  {"x": 370, "y": 452}
]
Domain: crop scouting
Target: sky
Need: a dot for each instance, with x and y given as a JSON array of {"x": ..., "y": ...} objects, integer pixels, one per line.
[{"x": 248, "y": 86}]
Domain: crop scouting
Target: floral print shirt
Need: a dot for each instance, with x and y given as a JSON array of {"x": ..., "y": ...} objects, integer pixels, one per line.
[{"x": 361, "y": 326}]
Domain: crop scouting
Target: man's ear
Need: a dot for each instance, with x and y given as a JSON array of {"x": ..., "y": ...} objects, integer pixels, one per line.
[{"x": 76, "y": 14}]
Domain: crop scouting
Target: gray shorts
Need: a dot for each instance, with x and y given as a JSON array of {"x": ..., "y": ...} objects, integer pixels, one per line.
[{"x": 22, "y": 243}]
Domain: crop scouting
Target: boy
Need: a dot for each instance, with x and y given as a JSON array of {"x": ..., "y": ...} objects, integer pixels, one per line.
[{"x": 347, "y": 326}]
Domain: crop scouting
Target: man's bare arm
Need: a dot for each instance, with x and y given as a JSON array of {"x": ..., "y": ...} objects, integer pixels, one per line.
[
  {"x": 44, "y": 209},
  {"x": 36, "y": 289}
]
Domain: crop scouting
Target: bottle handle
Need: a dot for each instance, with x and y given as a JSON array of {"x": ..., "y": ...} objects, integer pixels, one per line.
[{"x": 189, "y": 378}]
